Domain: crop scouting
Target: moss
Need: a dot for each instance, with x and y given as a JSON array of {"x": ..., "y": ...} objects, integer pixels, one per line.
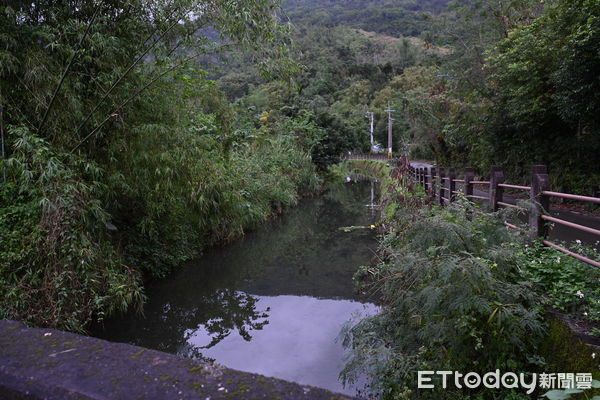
[
  {"x": 139, "y": 353},
  {"x": 239, "y": 393},
  {"x": 564, "y": 352}
]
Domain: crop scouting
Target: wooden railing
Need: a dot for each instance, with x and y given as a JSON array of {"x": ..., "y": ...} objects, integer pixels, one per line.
[
  {"x": 442, "y": 184},
  {"x": 383, "y": 157}
]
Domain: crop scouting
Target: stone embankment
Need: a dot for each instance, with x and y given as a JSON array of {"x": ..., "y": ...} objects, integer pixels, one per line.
[{"x": 55, "y": 365}]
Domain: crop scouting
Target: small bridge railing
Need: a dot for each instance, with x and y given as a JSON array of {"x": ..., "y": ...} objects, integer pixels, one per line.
[
  {"x": 382, "y": 157},
  {"x": 442, "y": 183}
]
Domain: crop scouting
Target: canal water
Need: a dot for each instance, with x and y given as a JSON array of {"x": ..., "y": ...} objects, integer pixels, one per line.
[{"x": 273, "y": 302}]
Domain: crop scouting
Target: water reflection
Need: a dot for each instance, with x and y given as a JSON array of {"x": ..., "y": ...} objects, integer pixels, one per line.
[
  {"x": 272, "y": 302},
  {"x": 297, "y": 345}
]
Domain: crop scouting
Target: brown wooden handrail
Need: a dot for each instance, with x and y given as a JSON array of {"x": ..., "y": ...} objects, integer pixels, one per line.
[{"x": 539, "y": 192}]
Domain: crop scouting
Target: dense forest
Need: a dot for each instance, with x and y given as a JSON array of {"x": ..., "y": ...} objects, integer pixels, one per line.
[
  {"x": 482, "y": 83},
  {"x": 135, "y": 134},
  {"x": 394, "y": 18}
]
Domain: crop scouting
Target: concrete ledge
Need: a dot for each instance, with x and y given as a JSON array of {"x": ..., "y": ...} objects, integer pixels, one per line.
[{"x": 50, "y": 364}]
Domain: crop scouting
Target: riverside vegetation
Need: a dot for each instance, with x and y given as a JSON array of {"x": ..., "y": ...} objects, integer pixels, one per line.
[
  {"x": 461, "y": 291},
  {"x": 122, "y": 159},
  {"x": 135, "y": 134}
]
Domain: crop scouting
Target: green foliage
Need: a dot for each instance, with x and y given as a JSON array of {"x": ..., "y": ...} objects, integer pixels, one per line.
[
  {"x": 379, "y": 170},
  {"x": 564, "y": 351},
  {"x": 58, "y": 267},
  {"x": 517, "y": 86},
  {"x": 563, "y": 282},
  {"x": 543, "y": 81},
  {"x": 125, "y": 160},
  {"x": 392, "y": 17},
  {"x": 344, "y": 75},
  {"x": 453, "y": 300}
]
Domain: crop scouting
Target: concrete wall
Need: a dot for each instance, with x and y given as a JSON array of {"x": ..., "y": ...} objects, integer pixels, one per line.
[{"x": 51, "y": 364}]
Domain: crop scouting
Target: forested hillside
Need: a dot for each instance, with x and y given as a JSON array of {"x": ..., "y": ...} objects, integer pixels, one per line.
[
  {"x": 481, "y": 83},
  {"x": 396, "y": 18},
  {"x": 344, "y": 73}
]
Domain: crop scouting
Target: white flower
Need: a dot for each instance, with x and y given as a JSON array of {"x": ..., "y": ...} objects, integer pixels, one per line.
[
  {"x": 578, "y": 241},
  {"x": 593, "y": 355},
  {"x": 348, "y": 179},
  {"x": 585, "y": 314},
  {"x": 558, "y": 260},
  {"x": 581, "y": 295}
]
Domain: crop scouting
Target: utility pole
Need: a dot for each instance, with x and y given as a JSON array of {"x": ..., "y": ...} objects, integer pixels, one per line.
[
  {"x": 371, "y": 117},
  {"x": 389, "y": 111}
]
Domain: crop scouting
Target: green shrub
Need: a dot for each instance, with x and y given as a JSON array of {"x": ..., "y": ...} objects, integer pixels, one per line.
[
  {"x": 562, "y": 281},
  {"x": 57, "y": 266},
  {"x": 174, "y": 193},
  {"x": 452, "y": 300}
]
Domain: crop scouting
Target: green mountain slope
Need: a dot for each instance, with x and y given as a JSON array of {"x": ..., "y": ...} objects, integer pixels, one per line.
[{"x": 392, "y": 17}]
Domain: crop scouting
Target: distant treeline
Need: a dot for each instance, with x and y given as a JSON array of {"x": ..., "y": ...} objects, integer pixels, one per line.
[{"x": 396, "y": 18}]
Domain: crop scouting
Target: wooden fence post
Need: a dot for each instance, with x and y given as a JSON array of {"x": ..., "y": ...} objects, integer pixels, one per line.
[
  {"x": 496, "y": 192},
  {"x": 539, "y": 182},
  {"x": 441, "y": 190},
  {"x": 432, "y": 182},
  {"x": 468, "y": 186},
  {"x": 451, "y": 184}
]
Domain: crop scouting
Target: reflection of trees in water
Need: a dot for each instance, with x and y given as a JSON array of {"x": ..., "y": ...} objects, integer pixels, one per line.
[
  {"x": 301, "y": 253},
  {"x": 220, "y": 313},
  {"x": 351, "y": 196},
  {"x": 246, "y": 319},
  {"x": 307, "y": 231},
  {"x": 168, "y": 326}
]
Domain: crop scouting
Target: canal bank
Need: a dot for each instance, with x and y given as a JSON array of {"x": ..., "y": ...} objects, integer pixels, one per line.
[{"x": 49, "y": 364}]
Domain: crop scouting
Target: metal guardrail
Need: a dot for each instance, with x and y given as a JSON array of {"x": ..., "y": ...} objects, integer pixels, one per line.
[{"x": 435, "y": 180}]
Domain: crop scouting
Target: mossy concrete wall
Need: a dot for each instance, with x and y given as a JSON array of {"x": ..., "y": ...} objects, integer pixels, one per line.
[
  {"x": 50, "y": 364},
  {"x": 565, "y": 351}
]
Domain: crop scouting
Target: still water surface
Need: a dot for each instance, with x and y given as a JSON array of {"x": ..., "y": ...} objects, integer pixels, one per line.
[{"x": 271, "y": 303}]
